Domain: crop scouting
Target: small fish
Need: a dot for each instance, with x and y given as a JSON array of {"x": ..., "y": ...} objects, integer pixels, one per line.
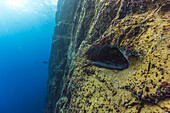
[
  {"x": 44, "y": 62},
  {"x": 35, "y": 62}
]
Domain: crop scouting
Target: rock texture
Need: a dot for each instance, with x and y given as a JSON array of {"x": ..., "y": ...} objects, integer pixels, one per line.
[{"x": 75, "y": 85}]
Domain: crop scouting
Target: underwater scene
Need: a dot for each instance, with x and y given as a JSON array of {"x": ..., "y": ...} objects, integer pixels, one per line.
[
  {"x": 110, "y": 56},
  {"x": 85, "y": 56},
  {"x": 26, "y": 29}
]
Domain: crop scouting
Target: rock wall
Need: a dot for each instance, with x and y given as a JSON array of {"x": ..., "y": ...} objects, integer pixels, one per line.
[{"x": 137, "y": 30}]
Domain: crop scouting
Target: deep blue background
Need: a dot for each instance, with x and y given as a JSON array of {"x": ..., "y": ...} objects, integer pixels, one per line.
[{"x": 25, "y": 41}]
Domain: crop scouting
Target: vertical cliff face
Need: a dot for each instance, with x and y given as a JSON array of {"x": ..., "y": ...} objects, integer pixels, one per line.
[
  {"x": 59, "y": 62},
  {"x": 98, "y": 33}
]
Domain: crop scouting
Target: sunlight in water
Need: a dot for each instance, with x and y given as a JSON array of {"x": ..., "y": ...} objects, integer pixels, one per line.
[
  {"x": 28, "y": 5},
  {"x": 15, "y": 3}
]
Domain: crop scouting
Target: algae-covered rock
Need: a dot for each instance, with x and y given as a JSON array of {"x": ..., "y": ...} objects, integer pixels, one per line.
[{"x": 139, "y": 25}]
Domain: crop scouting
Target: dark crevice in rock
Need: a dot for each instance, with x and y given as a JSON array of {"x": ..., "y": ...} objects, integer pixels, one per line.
[{"x": 110, "y": 57}]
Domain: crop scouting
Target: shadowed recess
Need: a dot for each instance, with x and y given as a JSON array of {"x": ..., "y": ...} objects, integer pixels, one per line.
[{"x": 108, "y": 56}]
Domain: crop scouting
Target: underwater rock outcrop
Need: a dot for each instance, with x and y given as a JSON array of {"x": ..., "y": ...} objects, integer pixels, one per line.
[
  {"x": 128, "y": 38},
  {"x": 108, "y": 57},
  {"x": 111, "y": 56}
]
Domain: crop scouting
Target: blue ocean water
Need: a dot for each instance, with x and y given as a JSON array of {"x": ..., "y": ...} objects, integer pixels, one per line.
[{"x": 26, "y": 28}]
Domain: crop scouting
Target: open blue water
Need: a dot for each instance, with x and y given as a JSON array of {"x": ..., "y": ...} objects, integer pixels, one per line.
[{"x": 26, "y": 28}]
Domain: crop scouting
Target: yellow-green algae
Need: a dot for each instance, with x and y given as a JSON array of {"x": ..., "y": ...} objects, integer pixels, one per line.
[{"x": 97, "y": 90}]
